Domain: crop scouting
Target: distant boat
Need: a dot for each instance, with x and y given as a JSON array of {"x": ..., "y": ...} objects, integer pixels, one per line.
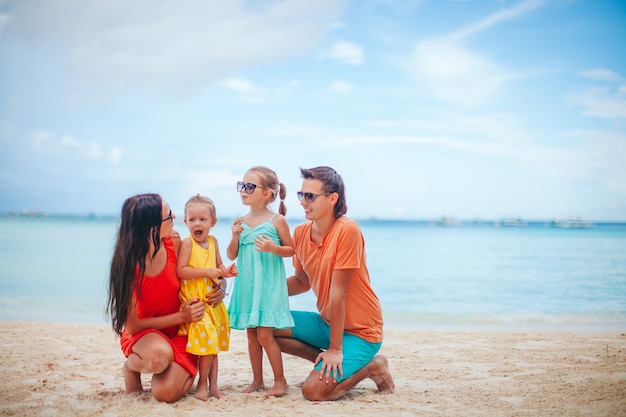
[
  {"x": 448, "y": 221},
  {"x": 511, "y": 222},
  {"x": 31, "y": 213},
  {"x": 571, "y": 223}
]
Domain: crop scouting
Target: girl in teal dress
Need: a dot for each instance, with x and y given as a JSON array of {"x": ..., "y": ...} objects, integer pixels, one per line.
[{"x": 259, "y": 302}]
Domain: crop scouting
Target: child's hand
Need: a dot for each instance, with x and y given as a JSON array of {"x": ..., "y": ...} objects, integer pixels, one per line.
[
  {"x": 237, "y": 228},
  {"x": 264, "y": 243},
  {"x": 229, "y": 272}
]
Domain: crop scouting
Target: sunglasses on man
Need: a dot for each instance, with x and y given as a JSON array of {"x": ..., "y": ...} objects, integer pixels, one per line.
[{"x": 310, "y": 197}]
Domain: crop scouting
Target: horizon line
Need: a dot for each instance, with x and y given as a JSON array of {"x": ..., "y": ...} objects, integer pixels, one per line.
[{"x": 442, "y": 220}]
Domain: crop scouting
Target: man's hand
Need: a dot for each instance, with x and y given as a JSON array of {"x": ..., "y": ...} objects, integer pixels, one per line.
[{"x": 331, "y": 363}]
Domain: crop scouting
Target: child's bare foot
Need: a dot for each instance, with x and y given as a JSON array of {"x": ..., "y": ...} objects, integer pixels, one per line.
[
  {"x": 278, "y": 390},
  {"x": 132, "y": 381},
  {"x": 202, "y": 392},
  {"x": 216, "y": 393},
  {"x": 379, "y": 372},
  {"x": 254, "y": 387}
]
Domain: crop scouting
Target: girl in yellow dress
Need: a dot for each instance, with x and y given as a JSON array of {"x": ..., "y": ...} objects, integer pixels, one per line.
[{"x": 199, "y": 266}]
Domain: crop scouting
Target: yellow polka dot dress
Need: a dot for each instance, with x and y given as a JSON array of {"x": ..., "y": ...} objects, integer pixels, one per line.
[{"x": 211, "y": 334}]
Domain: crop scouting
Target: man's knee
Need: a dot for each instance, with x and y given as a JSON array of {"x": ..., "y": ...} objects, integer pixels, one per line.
[
  {"x": 311, "y": 393},
  {"x": 314, "y": 389}
]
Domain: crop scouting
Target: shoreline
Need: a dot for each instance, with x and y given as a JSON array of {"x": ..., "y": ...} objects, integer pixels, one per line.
[
  {"x": 75, "y": 369},
  {"x": 573, "y": 323}
]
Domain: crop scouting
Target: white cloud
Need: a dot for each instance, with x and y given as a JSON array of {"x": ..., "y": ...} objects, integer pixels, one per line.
[
  {"x": 4, "y": 21},
  {"x": 115, "y": 155},
  {"x": 250, "y": 92},
  {"x": 69, "y": 142},
  {"x": 164, "y": 46},
  {"x": 346, "y": 52},
  {"x": 605, "y": 101},
  {"x": 210, "y": 178},
  {"x": 295, "y": 130},
  {"x": 453, "y": 143},
  {"x": 602, "y": 155},
  {"x": 340, "y": 86},
  {"x": 241, "y": 86},
  {"x": 601, "y": 74},
  {"x": 493, "y": 19},
  {"x": 46, "y": 144},
  {"x": 457, "y": 74}
]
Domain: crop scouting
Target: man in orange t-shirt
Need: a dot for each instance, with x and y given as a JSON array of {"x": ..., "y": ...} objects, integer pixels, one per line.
[{"x": 344, "y": 337}]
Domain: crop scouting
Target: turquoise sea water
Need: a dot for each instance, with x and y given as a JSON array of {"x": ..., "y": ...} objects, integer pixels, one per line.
[{"x": 463, "y": 276}]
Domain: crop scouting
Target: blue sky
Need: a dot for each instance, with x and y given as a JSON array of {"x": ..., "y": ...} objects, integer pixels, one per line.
[{"x": 469, "y": 109}]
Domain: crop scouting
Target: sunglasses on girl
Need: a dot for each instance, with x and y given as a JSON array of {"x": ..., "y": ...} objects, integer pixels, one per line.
[
  {"x": 248, "y": 187},
  {"x": 310, "y": 197}
]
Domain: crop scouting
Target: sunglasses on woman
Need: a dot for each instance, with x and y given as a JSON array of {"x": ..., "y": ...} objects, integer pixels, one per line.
[
  {"x": 310, "y": 197},
  {"x": 169, "y": 217},
  {"x": 248, "y": 187}
]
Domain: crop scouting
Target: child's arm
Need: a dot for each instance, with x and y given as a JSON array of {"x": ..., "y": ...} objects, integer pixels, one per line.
[
  {"x": 233, "y": 247},
  {"x": 285, "y": 249},
  {"x": 219, "y": 283},
  {"x": 229, "y": 272},
  {"x": 184, "y": 271}
]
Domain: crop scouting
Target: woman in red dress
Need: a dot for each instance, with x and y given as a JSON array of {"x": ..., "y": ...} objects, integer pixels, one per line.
[{"x": 143, "y": 300}]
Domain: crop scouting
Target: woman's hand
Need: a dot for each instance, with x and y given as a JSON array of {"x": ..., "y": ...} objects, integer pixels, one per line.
[
  {"x": 218, "y": 295},
  {"x": 193, "y": 310}
]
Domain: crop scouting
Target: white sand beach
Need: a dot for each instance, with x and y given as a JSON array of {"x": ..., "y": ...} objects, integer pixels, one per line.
[{"x": 52, "y": 369}]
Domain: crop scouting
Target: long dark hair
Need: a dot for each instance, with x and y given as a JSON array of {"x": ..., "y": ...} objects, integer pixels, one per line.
[
  {"x": 332, "y": 183},
  {"x": 140, "y": 223}
]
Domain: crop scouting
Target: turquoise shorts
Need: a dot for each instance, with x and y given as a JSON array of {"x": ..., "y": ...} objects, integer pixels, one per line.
[{"x": 357, "y": 352}]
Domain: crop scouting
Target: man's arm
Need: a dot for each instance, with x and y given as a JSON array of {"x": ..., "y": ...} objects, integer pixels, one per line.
[
  {"x": 298, "y": 283},
  {"x": 333, "y": 357}
]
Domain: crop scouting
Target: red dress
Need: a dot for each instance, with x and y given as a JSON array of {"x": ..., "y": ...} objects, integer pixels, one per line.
[{"x": 159, "y": 297}]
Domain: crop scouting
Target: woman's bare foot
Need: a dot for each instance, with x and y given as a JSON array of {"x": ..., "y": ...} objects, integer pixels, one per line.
[
  {"x": 379, "y": 373},
  {"x": 278, "y": 390},
  {"x": 254, "y": 387},
  {"x": 132, "y": 381},
  {"x": 202, "y": 392}
]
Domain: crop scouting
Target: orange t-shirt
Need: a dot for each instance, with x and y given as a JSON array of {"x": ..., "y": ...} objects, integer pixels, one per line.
[{"x": 343, "y": 247}]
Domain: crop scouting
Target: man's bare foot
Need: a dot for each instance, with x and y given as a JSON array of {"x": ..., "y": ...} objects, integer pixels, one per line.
[
  {"x": 202, "y": 392},
  {"x": 379, "y": 373},
  {"x": 132, "y": 381},
  {"x": 254, "y": 387},
  {"x": 278, "y": 390}
]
